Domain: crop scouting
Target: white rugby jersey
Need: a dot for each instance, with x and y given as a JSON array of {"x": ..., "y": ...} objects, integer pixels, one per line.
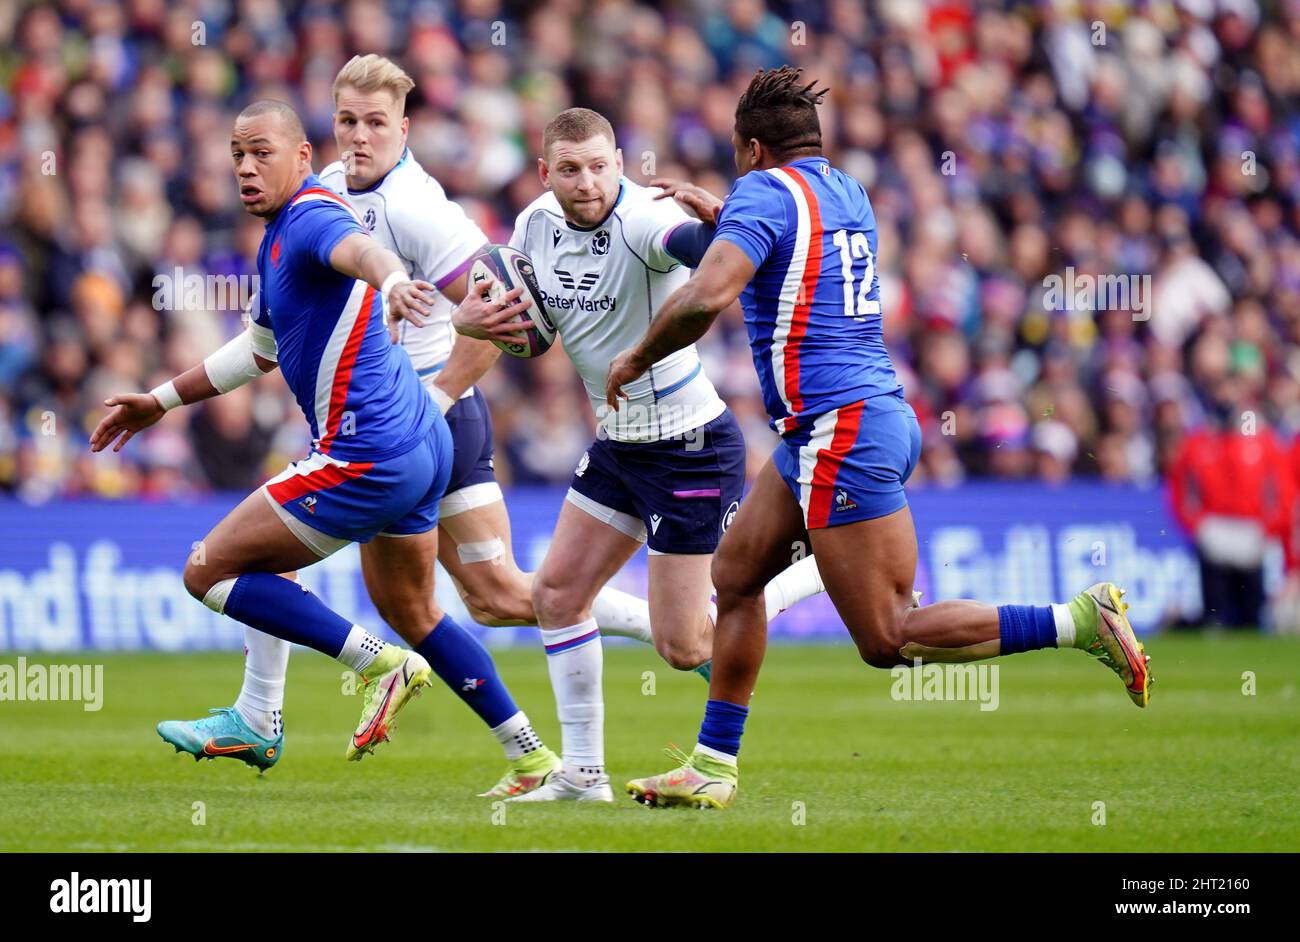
[
  {"x": 602, "y": 286},
  {"x": 408, "y": 212}
]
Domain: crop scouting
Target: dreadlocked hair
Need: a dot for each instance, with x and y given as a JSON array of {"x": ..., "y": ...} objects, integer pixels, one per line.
[{"x": 780, "y": 112}]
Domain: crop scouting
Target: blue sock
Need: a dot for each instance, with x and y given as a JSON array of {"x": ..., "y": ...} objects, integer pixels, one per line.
[
  {"x": 466, "y": 667},
  {"x": 272, "y": 604},
  {"x": 1026, "y": 627},
  {"x": 722, "y": 726}
]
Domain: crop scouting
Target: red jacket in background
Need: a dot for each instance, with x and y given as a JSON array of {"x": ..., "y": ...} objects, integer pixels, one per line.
[{"x": 1218, "y": 471}]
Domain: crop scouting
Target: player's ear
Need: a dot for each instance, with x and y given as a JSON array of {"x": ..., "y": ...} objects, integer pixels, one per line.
[
  {"x": 618, "y": 160},
  {"x": 304, "y": 153},
  {"x": 406, "y": 127},
  {"x": 544, "y": 172}
]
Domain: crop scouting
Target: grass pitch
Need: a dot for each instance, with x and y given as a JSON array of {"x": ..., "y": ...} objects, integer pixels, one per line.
[{"x": 831, "y": 762}]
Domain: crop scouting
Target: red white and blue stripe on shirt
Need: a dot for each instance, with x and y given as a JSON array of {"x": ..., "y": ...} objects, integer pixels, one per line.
[
  {"x": 812, "y": 309},
  {"x": 357, "y": 391}
]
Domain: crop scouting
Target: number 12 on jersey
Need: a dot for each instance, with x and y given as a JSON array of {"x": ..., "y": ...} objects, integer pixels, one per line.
[{"x": 852, "y": 247}]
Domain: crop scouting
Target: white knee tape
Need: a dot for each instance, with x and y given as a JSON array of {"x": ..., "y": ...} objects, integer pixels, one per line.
[
  {"x": 482, "y": 551},
  {"x": 217, "y": 595}
]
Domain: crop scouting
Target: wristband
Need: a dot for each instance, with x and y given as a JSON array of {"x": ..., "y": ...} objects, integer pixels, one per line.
[
  {"x": 443, "y": 400},
  {"x": 396, "y": 278},
  {"x": 167, "y": 395}
]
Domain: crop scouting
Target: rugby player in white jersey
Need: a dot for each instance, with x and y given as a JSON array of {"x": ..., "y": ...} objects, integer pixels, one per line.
[
  {"x": 406, "y": 210},
  {"x": 667, "y": 469}
]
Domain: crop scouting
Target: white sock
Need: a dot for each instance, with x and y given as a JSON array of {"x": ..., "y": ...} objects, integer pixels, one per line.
[
  {"x": 360, "y": 650},
  {"x": 715, "y": 754},
  {"x": 800, "y": 581},
  {"x": 261, "y": 699},
  {"x": 618, "y": 613},
  {"x": 575, "y": 662},
  {"x": 517, "y": 736},
  {"x": 1064, "y": 626}
]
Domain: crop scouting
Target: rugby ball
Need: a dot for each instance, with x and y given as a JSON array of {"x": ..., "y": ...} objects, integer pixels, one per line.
[{"x": 505, "y": 269}]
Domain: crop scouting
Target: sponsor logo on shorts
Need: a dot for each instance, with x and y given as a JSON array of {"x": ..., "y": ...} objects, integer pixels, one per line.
[
  {"x": 730, "y": 515},
  {"x": 309, "y": 503},
  {"x": 582, "y": 464},
  {"x": 843, "y": 501},
  {"x": 655, "y": 520}
]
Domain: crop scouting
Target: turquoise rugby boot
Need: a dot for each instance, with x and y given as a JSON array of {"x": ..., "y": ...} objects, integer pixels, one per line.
[{"x": 223, "y": 733}]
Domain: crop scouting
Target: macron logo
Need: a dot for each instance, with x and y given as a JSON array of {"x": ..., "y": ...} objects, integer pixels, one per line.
[
  {"x": 102, "y": 896},
  {"x": 655, "y": 520}
]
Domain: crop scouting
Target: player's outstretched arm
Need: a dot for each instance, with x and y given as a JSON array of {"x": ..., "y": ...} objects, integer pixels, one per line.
[
  {"x": 696, "y": 200},
  {"x": 470, "y": 358},
  {"x": 685, "y": 316},
  {"x": 359, "y": 256},
  {"x": 247, "y": 356}
]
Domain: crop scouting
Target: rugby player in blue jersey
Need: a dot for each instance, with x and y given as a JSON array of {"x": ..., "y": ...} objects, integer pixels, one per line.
[
  {"x": 796, "y": 243},
  {"x": 379, "y": 464}
]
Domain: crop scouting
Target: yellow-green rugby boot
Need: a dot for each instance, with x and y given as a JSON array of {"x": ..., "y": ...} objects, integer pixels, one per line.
[
  {"x": 528, "y": 772},
  {"x": 393, "y": 677},
  {"x": 1101, "y": 628},
  {"x": 699, "y": 781}
]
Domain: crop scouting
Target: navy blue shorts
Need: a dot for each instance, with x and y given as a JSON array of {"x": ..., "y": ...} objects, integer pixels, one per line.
[
  {"x": 470, "y": 421},
  {"x": 849, "y": 464},
  {"x": 354, "y": 501},
  {"x": 678, "y": 495}
]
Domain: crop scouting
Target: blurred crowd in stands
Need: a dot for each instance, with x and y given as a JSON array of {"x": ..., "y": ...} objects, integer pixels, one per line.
[{"x": 1152, "y": 146}]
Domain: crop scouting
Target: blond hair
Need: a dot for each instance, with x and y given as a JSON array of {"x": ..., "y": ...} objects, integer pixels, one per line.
[{"x": 372, "y": 72}]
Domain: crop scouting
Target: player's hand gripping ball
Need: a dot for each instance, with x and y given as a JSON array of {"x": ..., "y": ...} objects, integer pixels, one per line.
[{"x": 503, "y": 269}]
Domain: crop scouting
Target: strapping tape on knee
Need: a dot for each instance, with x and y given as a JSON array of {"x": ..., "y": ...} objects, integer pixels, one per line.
[
  {"x": 482, "y": 551},
  {"x": 216, "y": 596}
]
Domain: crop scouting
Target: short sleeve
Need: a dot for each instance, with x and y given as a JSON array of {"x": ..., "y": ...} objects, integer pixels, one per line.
[
  {"x": 647, "y": 228},
  {"x": 436, "y": 233},
  {"x": 257, "y": 311},
  {"x": 753, "y": 217},
  {"x": 321, "y": 225}
]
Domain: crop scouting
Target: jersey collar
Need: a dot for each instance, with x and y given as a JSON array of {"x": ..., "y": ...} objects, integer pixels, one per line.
[
  {"x": 380, "y": 182},
  {"x": 815, "y": 159},
  {"x": 621, "y": 190}
]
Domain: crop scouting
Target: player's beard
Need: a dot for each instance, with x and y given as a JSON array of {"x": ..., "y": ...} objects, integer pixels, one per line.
[{"x": 589, "y": 214}]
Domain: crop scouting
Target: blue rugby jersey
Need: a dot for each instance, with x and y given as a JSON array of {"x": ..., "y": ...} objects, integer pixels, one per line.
[
  {"x": 812, "y": 309},
  {"x": 357, "y": 390}
]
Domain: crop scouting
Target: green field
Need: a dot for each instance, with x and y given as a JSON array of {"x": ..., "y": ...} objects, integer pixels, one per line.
[{"x": 1204, "y": 768}]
